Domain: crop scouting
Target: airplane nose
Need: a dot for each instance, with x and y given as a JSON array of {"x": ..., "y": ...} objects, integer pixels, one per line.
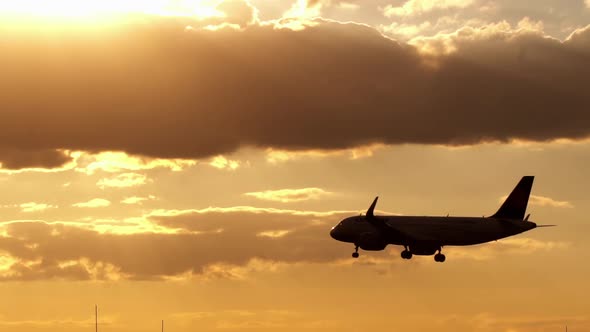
[{"x": 333, "y": 233}]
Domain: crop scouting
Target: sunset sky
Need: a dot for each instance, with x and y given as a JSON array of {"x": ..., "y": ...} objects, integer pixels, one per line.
[{"x": 185, "y": 160}]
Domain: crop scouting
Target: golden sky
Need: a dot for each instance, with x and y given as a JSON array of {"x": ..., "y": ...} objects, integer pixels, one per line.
[{"x": 185, "y": 160}]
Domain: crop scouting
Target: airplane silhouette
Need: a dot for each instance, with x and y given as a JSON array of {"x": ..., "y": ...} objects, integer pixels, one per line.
[{"x": 425, "y": 236}]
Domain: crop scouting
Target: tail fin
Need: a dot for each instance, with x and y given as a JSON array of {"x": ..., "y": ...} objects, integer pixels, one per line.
[{"x": 514, "y": 207}]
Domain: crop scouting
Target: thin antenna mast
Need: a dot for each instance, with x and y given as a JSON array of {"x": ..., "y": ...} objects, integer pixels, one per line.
[
  {"x": 162, "y": 325},
  {"x": 96, "y": 317}
]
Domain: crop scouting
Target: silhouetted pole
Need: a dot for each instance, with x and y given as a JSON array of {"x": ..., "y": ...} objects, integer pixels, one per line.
[
  {"x": 162, "y": 325},
  {"x": 96, "y": 317}
]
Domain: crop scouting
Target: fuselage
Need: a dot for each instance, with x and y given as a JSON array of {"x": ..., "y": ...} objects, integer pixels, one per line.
[{"x": 438, "y": 231}]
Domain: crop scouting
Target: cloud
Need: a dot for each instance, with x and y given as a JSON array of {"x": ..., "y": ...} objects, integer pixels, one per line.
[
  {"x": 289, "y": 195},
  {"x": 327, "y": 87},
  {"x": 544, "y": 201},
  {"x": 113, "y": 162},
  {"x": 16, "y": 158},
  {"x": 35, "y": 207},
  {"x": 406, "y": 31},
  {"x": 278, "y": 156},
  {"x": 221, "y": 162},
  {"x": 137, "y": 200},
  {"x": 124, "y": 180},
  {"x": 417, "y": 7},
  {"x": 304, "y": 9},
  {"x": 246, "y": 240},
  {"x": 93, "y": 203},
  {"x": 348, "y": 6},
  {"x": 75, "y": 251},
  {"x": 239, "y": 12},
  {"x": 527, "y": 23}
]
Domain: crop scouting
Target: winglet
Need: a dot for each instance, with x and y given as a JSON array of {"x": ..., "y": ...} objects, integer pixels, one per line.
[{"x": 371, "y": 210}]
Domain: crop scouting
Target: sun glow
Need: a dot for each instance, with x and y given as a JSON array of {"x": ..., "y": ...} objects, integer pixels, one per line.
[{"x": 93, "y": 9}]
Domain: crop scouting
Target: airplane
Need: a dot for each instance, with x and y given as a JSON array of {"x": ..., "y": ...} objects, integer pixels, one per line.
[{"x": 426, "y": 236}]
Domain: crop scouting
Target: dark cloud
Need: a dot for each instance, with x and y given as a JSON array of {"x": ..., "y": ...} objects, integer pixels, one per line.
[
  {"x": 44, "y": 251},
  {"x": 157, "y": 89},
  {"x": 13, "y": 158}
]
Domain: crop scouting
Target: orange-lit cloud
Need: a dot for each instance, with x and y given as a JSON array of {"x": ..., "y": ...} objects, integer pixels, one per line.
[
  {"x": 289, "y": 195},
  {"x": 547, "y": 201},
  {"x": 348, "y": 5},
  {"x": 123, "y": 180},
  {"x": 405, "y": 30},
  {"x": 221, "y": 162},
  {"x": 278, "y": 156},
  {"x": 113, "y": 162},
  {"x": 35, "y": 207},
  {"x": 304, "y": 9},
  {"x": 93, "y": 203},
  {"x": 416, "y": 7},
  {"x": 137, "y": 200},
  {"x": 536, "y": 200}
]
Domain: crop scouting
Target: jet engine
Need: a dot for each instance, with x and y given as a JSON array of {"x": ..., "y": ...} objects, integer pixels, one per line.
[
  {"x": 371, "y": 242},
  {"x": 424, "y": 250}
]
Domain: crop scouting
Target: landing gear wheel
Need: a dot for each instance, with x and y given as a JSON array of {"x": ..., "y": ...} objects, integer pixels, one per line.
[
  {"x": 439, "y": 258},
  {"x": 355, "y": 254},
  {"x": 406, "y": 254}
]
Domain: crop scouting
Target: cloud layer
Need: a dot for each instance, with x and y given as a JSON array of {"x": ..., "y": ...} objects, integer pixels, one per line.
[
  {"x": 176, "y": 244},
  {"x": 184, "y": 244},
  {"x": 156, "y": 89}
]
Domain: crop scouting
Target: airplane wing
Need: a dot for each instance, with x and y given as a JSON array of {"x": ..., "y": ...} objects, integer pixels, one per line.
[{"x": 391, "y": 231}]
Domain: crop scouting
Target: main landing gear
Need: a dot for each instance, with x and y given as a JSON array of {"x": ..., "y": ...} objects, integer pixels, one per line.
[
  {"x": 406, "y": 254},
  {"x": 439, "y": 257},
  {"x": 355, "y": 254}
]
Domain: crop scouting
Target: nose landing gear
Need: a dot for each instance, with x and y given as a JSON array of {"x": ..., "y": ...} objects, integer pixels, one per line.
[{"x": 355, "y": 254}]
